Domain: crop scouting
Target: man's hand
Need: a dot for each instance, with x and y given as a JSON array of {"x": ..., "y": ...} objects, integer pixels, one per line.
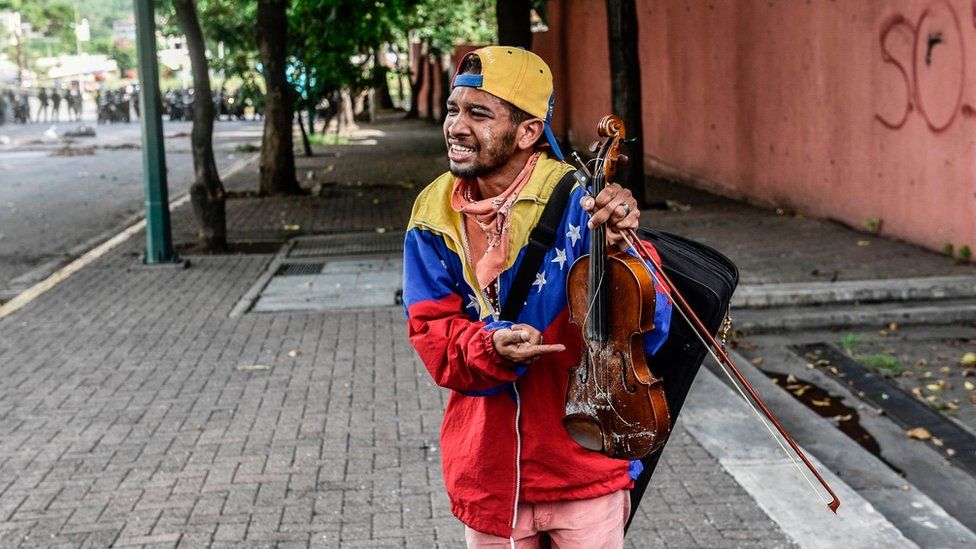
[
  {"x": 522, "y": 344},
  {"x": 616, "y": 207}
]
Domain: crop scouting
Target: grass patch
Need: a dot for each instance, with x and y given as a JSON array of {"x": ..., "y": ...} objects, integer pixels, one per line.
[
  {"x": 884, "y": 364},
  {"x": 248, "y": 148},
  {"x": 319, "y": 139},
  {"x": 850, "y": 342}
]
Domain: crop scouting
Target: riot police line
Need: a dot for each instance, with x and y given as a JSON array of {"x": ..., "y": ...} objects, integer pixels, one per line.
[{"x": 24, "y": 106}]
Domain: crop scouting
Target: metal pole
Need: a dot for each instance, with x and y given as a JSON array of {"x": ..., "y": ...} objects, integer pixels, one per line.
[{"x": 159, "y": 239}]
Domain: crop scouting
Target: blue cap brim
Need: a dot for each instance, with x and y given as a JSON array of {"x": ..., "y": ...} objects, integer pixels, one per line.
[{"x": 556, "y": 152}]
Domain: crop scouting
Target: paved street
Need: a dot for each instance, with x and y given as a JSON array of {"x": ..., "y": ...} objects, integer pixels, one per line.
[
  {"x": 50, "y": 202},
  {"x": 136, "y": 412}
]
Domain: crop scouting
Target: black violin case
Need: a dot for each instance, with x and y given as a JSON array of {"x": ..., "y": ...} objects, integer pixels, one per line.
[{"x": 706, "y": 279}]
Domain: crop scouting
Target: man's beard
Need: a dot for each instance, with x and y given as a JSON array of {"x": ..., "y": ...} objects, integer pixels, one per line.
[{"x": 497, "y": 157}]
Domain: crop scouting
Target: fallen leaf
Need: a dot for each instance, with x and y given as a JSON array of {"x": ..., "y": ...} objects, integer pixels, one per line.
[
  {"x": 969, "y": 385},
  {"x": 944, "y": 370},
  {"x": 293, "y": 353},
  {"x": 917, "y": 391},
  {"x": 293, "y": 227},
  {"x": 938, "y": 442},
  {"x": 380, "y": 230},
  {"x": 921, "y": 362},
  {"x": 757, "y": 361},
  {"x": 376, "y": 201},
  {"x": 810, "y": 366},
  {"x": 904, "y": 487},
  {"x": 846, "y": 417},
  {"x": 791, "y": 378},
  {"x": 799, "y": 392},
  {"x": 934, "y": 387},
  {"x": 863, "y": 243},
  {"x": 820, "y": 403},
  {"x": 952, "y": 405},
  {"x": 893, "y": 326},
  {"x": 883, "y": 333},
  {"x": 968, "y": 360},
  {"x": 972, "y": 398},
  {"x": 919, "y": 433},
  {"x": 950, "y": 452}
]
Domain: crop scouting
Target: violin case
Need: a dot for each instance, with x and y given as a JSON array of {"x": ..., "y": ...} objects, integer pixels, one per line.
[{"x": 706, "y": 279}]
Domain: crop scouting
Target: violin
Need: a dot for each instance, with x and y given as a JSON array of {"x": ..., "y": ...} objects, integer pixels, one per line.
[{"x": 614, "y": 404}]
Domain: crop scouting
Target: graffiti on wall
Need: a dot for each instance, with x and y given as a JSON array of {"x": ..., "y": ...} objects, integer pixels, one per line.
[{"x": 929, "y": 57}]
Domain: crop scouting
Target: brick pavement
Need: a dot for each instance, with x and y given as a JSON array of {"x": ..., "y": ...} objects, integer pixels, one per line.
[{"x": 135, "y": 412}]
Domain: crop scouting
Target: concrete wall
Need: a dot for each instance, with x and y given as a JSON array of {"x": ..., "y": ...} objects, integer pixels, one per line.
[{"x": 851, "y": 110}]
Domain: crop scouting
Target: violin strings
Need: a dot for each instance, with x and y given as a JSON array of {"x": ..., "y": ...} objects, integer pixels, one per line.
[{"x": 735, "y": 382}]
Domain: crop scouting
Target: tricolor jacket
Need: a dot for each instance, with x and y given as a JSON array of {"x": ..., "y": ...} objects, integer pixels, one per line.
[{"x": 502, "y": 438}]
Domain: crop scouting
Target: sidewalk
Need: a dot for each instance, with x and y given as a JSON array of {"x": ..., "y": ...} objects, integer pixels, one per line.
[{"x": 136, "y": 412}]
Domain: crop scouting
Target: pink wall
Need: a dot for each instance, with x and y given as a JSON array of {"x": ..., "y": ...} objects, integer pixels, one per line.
[{"x": 837, "y": 109}]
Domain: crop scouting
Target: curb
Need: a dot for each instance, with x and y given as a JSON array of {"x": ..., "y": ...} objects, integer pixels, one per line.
[
  {"x": 846, "y": 315},
  {"x": 762, "y": 296},
  {"x": 872, "y": 495}
]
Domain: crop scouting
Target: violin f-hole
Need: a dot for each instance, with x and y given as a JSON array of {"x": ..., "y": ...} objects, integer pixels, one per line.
[{"x": 625, "y": 367}]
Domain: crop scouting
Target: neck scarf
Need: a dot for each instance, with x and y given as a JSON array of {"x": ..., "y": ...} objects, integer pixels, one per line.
[{"x": 487, "y": 221}]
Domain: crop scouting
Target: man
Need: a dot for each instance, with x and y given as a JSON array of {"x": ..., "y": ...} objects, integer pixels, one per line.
[
  {"x": 56, "y": 104},
  {"x": 42, "y": 109},
  {"x": 510, "y": 468}
]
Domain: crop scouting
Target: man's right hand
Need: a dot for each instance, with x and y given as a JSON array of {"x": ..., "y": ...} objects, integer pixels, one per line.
[{"x": 522, "y": 344}]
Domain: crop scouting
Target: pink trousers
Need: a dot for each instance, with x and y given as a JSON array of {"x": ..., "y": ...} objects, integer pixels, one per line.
[{"x": 585, "y": 523}]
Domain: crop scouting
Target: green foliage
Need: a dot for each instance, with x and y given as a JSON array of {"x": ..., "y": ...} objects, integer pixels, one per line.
[
  {"x": 884, "y": 364},
  {"x": 444, "y": 24},
  {"x": 850, "y": 342},
  {"x": 53, "y": 19},
  {"x": 965, "y": 253}
]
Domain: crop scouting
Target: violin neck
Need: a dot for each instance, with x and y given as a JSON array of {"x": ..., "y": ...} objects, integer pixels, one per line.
[{"x": 596, "y": 328}]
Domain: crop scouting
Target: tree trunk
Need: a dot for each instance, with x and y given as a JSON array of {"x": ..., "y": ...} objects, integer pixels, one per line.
[
  {"x": 625, "y": 86},
  {"x": 431, "y": 86},
  {"x": 306, "y": 144},
  {"x": 514, "y": 22},
  {"x": 277, "y": 154},
  {"x": 207, "y": 194},
  {"x": 416, "y": 83}
]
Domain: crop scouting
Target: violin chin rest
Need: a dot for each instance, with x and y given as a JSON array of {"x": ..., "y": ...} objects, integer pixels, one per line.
[{"x": 585, "y": 430}]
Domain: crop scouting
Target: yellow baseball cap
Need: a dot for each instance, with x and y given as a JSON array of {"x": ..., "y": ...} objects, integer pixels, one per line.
[{"x": 518, "y": 76}]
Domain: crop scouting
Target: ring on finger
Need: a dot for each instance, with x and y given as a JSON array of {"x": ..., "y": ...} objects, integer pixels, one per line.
[{"x": 626, "y": 208}]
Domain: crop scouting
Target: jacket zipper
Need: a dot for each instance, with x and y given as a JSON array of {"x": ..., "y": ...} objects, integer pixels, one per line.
[{"x": 518, "y": 461}]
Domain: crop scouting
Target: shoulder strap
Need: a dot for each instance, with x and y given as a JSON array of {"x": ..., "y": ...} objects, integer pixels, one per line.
[{"x": 540, "y": 241}]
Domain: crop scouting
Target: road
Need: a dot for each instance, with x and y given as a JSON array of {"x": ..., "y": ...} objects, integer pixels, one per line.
[{"x": 51, "y": 202}]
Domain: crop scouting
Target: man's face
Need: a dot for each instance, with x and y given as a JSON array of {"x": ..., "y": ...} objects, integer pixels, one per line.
[{"x": 479, "y": 132}]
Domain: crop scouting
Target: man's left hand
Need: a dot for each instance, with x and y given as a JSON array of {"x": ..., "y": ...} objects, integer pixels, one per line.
[{"x": 616, "y": 207}]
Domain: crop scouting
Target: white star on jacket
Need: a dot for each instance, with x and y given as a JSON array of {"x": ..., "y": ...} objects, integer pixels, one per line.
[
  {"x": 560, "y": 258},
  {"x": 573, "y": 234},
  {"x": 473, "y": 304},
  {"x": 540, "y": 280}
]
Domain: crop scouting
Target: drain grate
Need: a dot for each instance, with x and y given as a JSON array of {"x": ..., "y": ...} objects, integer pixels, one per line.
[
  {"x": 901, "y": 407},
  {"x": 348, "y": 244},
  {"x": 299, "y": 269}
]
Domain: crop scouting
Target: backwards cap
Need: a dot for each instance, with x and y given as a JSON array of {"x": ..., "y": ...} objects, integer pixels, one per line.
[{"x": 518, "y": 76}]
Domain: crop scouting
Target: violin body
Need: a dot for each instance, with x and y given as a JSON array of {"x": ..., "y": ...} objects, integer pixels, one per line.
[{"x": 614, "y": 404}]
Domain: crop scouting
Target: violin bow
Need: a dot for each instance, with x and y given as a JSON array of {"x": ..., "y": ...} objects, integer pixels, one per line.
[{"x": 728, "y": 367}]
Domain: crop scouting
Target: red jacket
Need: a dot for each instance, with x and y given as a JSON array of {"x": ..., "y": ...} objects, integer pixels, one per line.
[{"x": 502, "y": 438}]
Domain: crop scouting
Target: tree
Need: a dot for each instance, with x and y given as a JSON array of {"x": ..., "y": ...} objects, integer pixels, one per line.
[
  {"x": 207, "y": 194},
  {"x": 277, "y": 154},
  {"x": 514, "y": 23},
  {"x": 625, "y": 87}
]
